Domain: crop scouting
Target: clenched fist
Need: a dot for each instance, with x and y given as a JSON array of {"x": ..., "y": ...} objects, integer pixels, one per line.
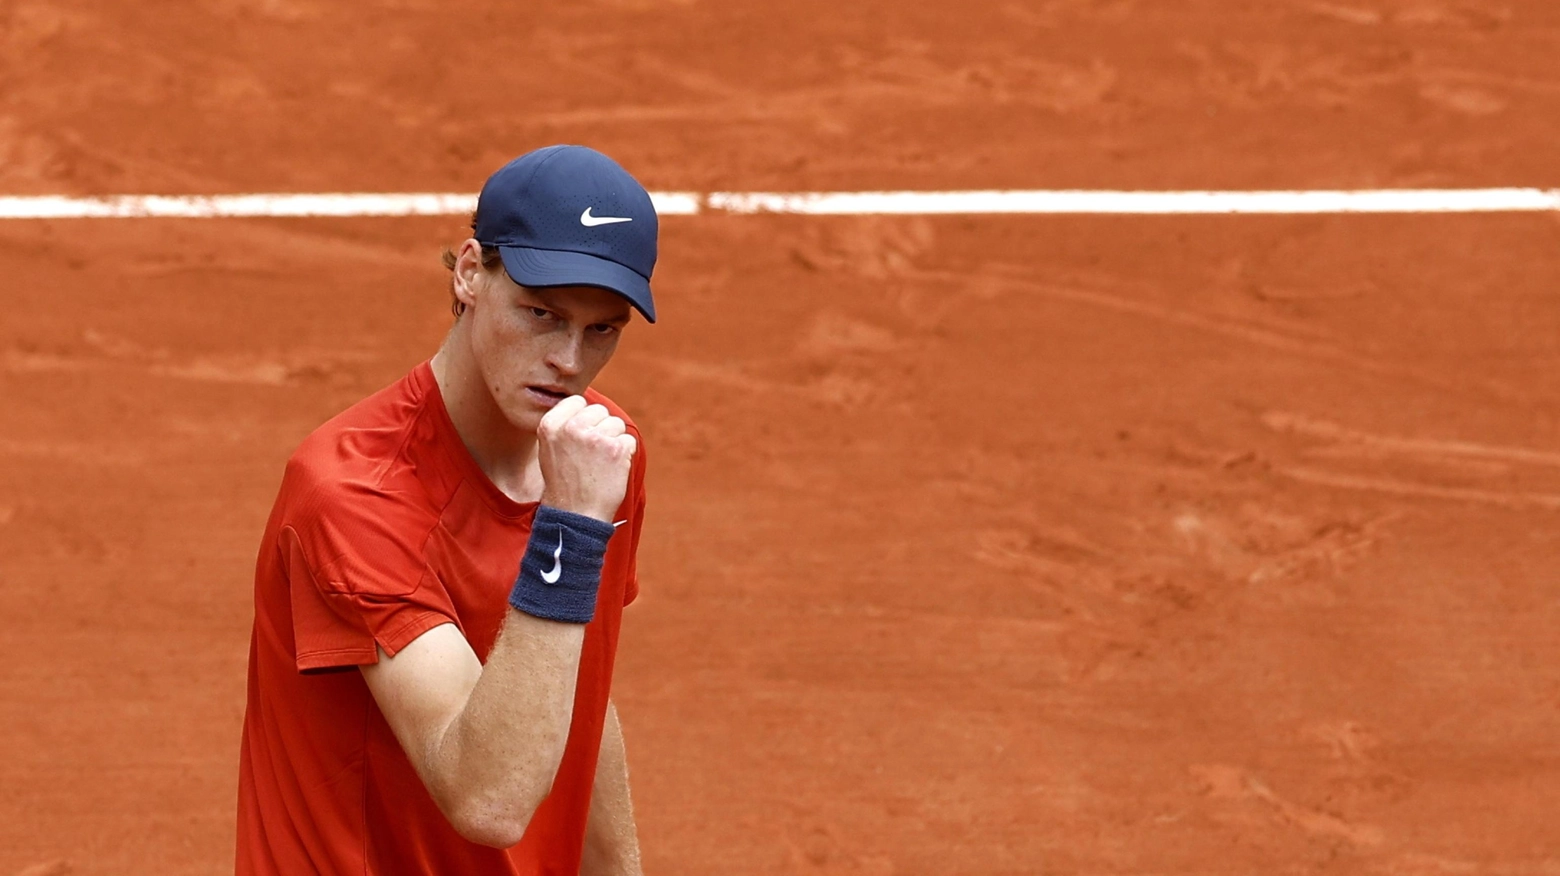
[{"x": 585, "y": 454}]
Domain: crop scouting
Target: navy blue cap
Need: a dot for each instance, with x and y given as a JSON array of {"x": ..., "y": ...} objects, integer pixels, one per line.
[{"x": 570, "y": 216}]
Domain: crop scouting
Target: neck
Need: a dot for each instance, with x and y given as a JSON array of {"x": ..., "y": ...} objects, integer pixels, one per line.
[{"x": 505, "y": 453}]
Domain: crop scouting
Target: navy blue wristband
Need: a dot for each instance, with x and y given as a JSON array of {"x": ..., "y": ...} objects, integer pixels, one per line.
[{"x": 561, "y": 568}]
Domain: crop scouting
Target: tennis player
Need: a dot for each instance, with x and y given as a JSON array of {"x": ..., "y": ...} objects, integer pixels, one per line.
[{"x": 440, "y": 585}]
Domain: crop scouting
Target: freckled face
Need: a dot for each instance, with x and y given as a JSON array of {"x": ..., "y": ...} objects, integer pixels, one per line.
[{"x": 536, "y": 347}]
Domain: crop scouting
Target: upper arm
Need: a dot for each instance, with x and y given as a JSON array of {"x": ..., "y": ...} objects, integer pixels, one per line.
[{"x": 421, "y": 691}]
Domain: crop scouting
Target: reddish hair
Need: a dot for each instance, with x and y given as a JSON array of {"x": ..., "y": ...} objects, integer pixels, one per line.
[{"x": 490, "y": 260}]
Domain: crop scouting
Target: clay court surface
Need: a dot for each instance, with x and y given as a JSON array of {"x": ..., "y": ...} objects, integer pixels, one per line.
[{"x": 977, "y": 545}]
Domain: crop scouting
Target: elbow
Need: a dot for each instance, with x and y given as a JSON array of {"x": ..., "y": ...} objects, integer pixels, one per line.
[
  {"x": 495, "y": 820},
  {"x": 493, "y": 830},
  {"x": 496, "y": 813}
]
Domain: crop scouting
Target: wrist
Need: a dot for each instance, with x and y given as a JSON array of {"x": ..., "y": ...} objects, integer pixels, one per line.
[
  {"x": 560, "y": 571},
  {"x": 569, "y": 505}
]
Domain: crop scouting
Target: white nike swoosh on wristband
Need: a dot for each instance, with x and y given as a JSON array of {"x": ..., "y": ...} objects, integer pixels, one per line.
[
  {"x": 557, "y": 569},
  {"x": 618, "y": 523}
]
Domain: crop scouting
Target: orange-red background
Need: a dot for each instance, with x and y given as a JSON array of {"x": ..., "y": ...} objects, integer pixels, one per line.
[{"x": 977, "y": 544}]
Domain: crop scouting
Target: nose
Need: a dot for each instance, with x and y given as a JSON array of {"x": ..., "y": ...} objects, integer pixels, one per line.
[{"x": 567, "y": 355}]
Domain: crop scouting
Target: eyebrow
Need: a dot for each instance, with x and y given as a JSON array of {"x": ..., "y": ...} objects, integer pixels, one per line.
[{"x": 544, "y": 295}]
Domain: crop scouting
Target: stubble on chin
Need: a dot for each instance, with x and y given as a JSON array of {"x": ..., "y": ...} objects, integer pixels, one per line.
[{"x": 521, "y": 412}]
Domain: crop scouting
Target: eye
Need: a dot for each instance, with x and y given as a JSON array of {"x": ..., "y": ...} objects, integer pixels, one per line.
[
  {"x": 541, "y": 312},
  {"x": 602, "y": 328}
]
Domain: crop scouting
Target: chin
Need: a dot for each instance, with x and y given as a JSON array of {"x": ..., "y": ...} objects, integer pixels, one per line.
[
  {"x": 519, "y": 411},
  {"x": 523, "y": 416}
]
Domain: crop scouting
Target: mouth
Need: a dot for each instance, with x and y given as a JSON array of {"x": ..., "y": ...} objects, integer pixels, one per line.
[{"x": 547, "y": 396}]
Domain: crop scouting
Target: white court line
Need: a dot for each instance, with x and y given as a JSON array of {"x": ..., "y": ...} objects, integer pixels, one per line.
[
  {"x": 280, "y": 205},
  {"x": 1071, "y": 202},
  {"x": 1141, "y": 203}
]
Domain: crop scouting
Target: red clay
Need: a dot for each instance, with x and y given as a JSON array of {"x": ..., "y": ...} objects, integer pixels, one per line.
[{"x": 976, "y": 545}]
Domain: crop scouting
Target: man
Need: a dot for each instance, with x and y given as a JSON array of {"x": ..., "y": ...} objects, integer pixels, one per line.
[{"x": 439, "y": 588}]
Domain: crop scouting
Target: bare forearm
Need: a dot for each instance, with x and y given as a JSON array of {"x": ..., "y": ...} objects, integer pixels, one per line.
[
  {"x": 487, "y": 740},
  {"x": 500, "y": 754},
  {"x": 611, "y": 841}
]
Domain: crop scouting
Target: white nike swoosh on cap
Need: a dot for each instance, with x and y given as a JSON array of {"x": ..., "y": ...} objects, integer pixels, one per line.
[{"x": 590, "y": 221}]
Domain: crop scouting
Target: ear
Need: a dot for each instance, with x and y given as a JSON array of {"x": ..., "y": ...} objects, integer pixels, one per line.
[{"x": 469, "y": 276}]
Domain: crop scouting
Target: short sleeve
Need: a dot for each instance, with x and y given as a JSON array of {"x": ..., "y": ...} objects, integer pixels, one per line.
[{"x": 358, "y": 577}]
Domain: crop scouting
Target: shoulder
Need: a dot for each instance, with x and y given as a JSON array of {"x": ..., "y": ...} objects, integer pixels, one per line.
[
  {"x": 598, "y": 398},
  {"x": 616, "y": 410},
  {"x": 369, "y": 433},
  {"x": 637, "y": 479},
  {"x": 353, "y": 463}
]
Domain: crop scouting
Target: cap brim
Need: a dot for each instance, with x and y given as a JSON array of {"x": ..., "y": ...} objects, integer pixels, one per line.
[{"x": 551, "y": 267}]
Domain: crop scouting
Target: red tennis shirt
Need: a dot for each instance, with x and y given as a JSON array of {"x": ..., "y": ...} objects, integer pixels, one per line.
[{"x": 385, "y": 527}]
